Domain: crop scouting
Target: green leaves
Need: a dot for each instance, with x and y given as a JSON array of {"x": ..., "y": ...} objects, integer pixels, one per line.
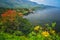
[
  {"x": 1, "y": 23},
  {"x": 53, "y": 24}
]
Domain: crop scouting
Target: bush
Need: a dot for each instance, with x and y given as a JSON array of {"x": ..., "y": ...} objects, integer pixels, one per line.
[{"x": 12, "y": 21}]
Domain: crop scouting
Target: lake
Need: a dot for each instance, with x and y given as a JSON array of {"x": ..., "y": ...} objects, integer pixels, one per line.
[{"x": 42, "y": 17}]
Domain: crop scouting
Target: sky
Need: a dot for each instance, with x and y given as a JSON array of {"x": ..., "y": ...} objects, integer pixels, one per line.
[{"x": 48, "y": 2}]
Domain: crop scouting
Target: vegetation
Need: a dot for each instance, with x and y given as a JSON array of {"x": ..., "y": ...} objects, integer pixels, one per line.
[
  {"x": 14, "y": 27},
  {"x": 24, "y": 11},
  {"x": 38, "y": 33}
]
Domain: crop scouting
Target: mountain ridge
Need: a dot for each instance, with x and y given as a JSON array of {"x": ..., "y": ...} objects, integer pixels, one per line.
[{"x": 19, "y": 4}]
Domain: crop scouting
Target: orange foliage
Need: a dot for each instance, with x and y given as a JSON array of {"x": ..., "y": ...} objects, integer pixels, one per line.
[{"x": 10, "y": 15}]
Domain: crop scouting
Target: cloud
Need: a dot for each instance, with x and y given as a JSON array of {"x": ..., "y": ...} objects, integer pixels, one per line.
[{"x": 37, "y": 0}]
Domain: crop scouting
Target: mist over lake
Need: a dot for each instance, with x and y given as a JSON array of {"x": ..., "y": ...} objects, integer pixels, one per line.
[{"x": 45, "y": 16}]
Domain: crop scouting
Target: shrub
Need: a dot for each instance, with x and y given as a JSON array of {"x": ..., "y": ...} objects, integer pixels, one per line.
[{"x": 12, "y": 21}]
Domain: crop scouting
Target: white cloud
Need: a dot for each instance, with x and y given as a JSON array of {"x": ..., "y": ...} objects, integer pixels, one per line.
[{"x": 38, "y": 1}]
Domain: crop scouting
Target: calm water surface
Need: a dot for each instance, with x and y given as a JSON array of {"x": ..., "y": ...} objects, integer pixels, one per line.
[{"x": 45, "y": 16}]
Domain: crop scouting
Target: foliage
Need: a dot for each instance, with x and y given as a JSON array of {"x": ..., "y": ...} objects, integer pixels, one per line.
[
  {"x": 14, "y": 27},
  {"x": 12, "y": 21},
  {"x": 24, "y": 11},
  {"x": 44, "y": 34},
  {"x": 40, "y": 35}
]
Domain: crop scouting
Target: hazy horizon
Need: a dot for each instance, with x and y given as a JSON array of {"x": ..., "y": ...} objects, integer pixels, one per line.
[{"x": 48, "y": 2}]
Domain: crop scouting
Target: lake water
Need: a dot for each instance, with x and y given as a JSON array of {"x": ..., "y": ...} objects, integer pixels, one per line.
[{"x": 45, "y": 16}]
